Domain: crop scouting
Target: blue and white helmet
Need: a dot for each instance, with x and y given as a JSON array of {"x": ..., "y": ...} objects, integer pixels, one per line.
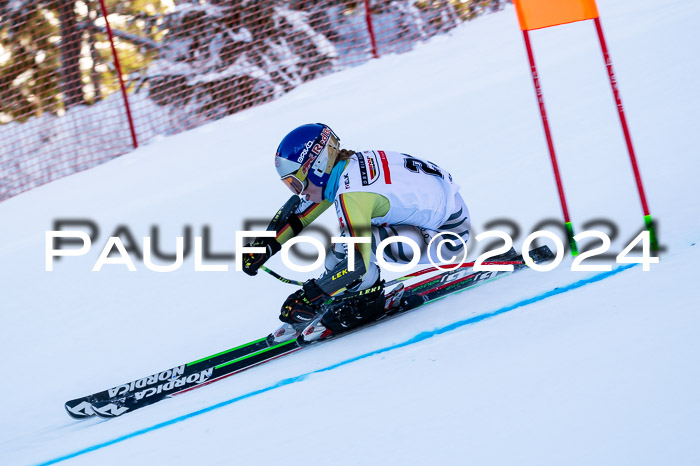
[{"x": 307, "y": 153}]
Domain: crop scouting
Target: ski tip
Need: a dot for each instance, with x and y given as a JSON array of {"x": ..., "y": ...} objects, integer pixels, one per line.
[
  {"x": 79, "y": 409},
  {"x": 542, "y": 254}
]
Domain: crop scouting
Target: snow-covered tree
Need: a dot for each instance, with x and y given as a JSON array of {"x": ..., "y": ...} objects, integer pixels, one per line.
[{"x": 221, "y": 57}]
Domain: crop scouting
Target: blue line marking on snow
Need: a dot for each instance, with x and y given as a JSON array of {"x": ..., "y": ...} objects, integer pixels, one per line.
[{"x": 418, "y": 338}]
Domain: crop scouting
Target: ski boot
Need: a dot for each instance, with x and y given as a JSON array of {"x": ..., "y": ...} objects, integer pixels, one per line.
[
  {"x": 298, "y": 311},
  {"x": 351, "y": 311}
]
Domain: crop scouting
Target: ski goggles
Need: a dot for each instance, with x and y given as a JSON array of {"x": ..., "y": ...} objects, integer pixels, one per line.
[
  {"x": 298, "y": 181},
  {"x": 295, "y": 184}
]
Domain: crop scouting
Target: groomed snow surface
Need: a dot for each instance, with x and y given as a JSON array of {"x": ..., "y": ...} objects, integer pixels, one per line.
[{"x": 604, "y": 372}]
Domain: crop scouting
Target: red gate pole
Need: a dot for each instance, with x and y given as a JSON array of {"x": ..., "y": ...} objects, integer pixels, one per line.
[
  {"x": 370, "y": 29},
  {"x": 628, "y": 139},
  {"x": 550, "y": 144},
  {"x": 119, "y": 74}
]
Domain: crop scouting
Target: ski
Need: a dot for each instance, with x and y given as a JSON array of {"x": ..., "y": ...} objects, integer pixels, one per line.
[
  {"x": 81, "y": 408},
  {"x": 208, "y": 370},
  {"x": 139, "y": 399}
]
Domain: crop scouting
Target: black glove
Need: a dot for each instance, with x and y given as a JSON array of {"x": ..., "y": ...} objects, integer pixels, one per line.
[
  {"x": 303, "y": 305},
  {"x": 252, "y": 262}
]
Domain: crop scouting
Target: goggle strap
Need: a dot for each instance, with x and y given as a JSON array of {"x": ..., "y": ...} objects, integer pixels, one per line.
[{"x": 333, "y": 148}]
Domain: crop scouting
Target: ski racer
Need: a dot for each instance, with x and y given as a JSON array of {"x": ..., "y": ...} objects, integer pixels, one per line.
[{"x": 377, "y": 194}]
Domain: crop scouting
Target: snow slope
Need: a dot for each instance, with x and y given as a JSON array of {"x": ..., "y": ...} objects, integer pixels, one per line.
[{"x": 538, "y": 368}]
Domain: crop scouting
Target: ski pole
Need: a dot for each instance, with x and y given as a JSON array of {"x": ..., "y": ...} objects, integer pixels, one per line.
[
  {"x": 399, "y": 279},
  {"x": 280, "y": 277}
]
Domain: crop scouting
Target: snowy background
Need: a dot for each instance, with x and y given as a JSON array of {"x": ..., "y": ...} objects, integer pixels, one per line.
[{"x": 606, "y": 373}]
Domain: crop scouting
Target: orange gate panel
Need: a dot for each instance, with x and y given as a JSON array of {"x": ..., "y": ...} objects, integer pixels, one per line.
[{"x": 538, "y": 14}]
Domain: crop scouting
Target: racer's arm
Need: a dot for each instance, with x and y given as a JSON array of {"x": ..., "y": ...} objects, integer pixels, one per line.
[
  {"x": 286, "y": 225},
  {"x": 302, "y": 217},
  {"x": 355, "y": 212}
]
